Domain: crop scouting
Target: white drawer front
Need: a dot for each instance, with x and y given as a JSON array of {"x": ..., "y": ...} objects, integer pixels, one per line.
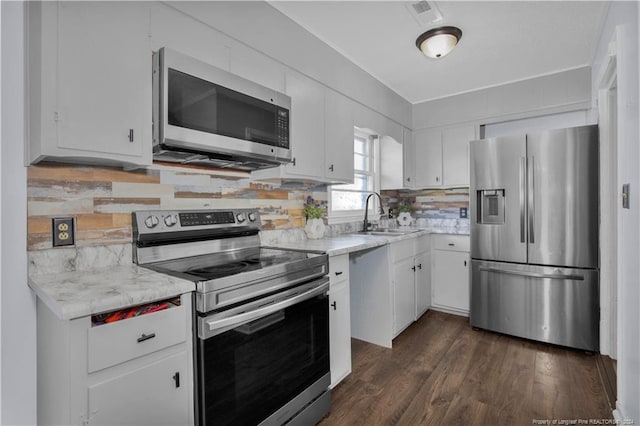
[
  {"x": 402, "y": 249},
  {"x": 423, "y": 244},
  {"x": 338, "y": 268},
  {"x": 451, "y": 242},
  {"x": 111, "y": 344}
]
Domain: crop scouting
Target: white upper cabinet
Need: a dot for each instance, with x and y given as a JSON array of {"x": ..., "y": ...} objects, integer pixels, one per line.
[
  {"x": 175, "y": 30},
  {"x": 338, "y": 137},
  {"x": 409, "y": 163},
  {"x": 90, "y": 80},
  {"x": 455, "y": 154},
  {"x": 428, "y": 158},
  {"x": 390, "y": 163},
  {"x": 307, "y": 125},
  {"x": 439, "y": 157},
  {"x": 321, "y": 134}
]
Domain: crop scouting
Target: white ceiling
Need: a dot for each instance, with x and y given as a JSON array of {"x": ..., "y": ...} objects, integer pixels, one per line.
[{"x": 502, "y": 41}]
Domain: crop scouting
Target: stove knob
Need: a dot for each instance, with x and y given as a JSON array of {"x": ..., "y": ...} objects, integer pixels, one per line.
[
  {"x": 240, "y": 217},
  {"x": 170, "y": 220},
  {"x": 252, "y": 217},
  {"x": 151, "y": 221}
]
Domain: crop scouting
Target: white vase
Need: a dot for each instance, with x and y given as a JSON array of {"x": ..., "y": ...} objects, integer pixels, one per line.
[
  {"x": 404, "y": 219},
  {"x": 314, "y": 228}
]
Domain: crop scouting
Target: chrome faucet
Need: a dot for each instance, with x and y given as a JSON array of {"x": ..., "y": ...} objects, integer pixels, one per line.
[{"x": 365, "y": 228}]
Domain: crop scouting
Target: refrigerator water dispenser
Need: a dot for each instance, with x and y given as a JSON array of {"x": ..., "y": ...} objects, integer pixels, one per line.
[{"x": 491, "y": 206}]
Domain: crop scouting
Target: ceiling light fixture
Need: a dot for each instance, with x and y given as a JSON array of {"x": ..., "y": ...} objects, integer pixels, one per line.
[{"x": 438, "y": 42}]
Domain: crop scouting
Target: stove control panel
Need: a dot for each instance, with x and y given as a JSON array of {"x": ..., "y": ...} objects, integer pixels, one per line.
[{"x": 148, "y": 222}]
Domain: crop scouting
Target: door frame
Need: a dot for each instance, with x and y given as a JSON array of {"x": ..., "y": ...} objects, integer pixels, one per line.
[{"x": 609, "y": 125}]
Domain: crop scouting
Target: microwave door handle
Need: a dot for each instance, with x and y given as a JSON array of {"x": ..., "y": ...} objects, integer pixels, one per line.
[{"x": 245, "y": 317}]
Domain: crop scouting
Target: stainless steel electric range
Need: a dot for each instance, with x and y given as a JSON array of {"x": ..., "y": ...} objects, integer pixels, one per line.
[{"x": 261, "y": 315}]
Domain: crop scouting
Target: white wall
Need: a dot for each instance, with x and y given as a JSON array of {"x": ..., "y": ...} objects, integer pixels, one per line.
[
  {"x": 538, "y": 124},
  {"x": 17, "y": 310},
  {"x": 625, "y": 16}
]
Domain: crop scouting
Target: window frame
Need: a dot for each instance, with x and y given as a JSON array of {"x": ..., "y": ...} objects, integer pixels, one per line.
[{"x": 345, "y": 216}]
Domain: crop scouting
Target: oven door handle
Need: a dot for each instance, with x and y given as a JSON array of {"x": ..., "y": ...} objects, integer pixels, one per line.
[{"x": 230, "y": 322}]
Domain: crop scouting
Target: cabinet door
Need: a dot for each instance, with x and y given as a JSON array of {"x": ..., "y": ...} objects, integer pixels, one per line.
[
  {"x": 423, "y": 284},
  {"x": 450, "y": 285},
  {"x": 390, "y": 163},
  {"x": 404, "y": 298},
  {"x": 428, "y": 158},
  {"x": 455, "y": 154},
  {"x": 307, "y": 126},
  {"x": 409, "y": 161},
  {"x": 104, "y": 80},
  {"x": 339, "y": 332},
  {"x": 151, "y": 395},
  {"x": 338, "y": 138}
]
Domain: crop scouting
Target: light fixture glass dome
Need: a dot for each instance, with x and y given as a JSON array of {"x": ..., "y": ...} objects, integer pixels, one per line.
[{"x": 438, "y": 42}]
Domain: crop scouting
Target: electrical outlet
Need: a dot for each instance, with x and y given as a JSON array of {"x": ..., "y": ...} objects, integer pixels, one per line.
[
  {"x": 463, "y": 212},
  {"x": 63, "y": 231}
]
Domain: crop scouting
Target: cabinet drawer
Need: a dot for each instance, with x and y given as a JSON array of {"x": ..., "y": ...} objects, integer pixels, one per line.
[
  {"x": 338, "y": 268},
  {"x": 402, "y": 249},
  {"x": 117, "y": 342},
  {"x": 422, "y": 244},
  {"x": 451, "y": 242}
]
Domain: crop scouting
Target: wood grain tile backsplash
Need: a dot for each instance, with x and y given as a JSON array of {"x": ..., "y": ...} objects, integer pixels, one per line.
[{"x": 102, "y": 199}]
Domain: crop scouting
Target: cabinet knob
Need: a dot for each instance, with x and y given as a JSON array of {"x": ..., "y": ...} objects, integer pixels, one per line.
[
  {"x": 420, "y": 266},
  {"x": 130, "y": 135},
  {"x": 338, "y": 273},
  {"x": 408, "y": 179},
  {"x": 451, "y": 244},
  {"x": 334, "y": 305},
  {"x": 413, "y": 268},
  {"x": 465, "y": 263},
  {"x": 293, "y": 163},
  {"x": 176, "y": 378},
  {"x": 331, "y": 167},
  {"x": 437, "y": 178}
]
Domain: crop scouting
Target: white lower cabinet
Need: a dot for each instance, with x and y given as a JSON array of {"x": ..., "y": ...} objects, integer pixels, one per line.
[
  {"x": 410, "y": 283},
  {"x": 423, "y": 283},
  {"x": 164, "y": 380},
  {"x": 132, "y": 371},
  {"x": 339, "y": 319},
  {"x": 450, "y": 280},
  {"x": 403, "y": 294}
]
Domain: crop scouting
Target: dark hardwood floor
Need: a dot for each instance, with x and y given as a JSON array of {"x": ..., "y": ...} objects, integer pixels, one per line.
[{"x": 442, "y": 372}]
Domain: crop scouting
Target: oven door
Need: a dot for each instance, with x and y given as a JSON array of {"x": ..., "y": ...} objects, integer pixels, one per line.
[{"x": 264, "y": 361}]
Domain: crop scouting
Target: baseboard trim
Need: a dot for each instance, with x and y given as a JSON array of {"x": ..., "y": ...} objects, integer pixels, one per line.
[{"x": 607, "y": 371}]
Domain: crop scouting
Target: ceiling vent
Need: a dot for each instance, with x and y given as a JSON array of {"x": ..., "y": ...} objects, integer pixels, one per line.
[{"x": 424, "y": 12}]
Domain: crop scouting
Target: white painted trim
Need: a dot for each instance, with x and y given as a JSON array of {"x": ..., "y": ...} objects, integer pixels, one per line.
[{"x": 609, "y": 208}]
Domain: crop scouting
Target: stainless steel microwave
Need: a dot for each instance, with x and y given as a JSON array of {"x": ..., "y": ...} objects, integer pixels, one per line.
[{"x": 207, "y": 116}]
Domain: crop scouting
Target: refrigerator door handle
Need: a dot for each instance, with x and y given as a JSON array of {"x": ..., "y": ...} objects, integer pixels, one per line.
[
  {"x": 533, "y": 274},
  {"x": 530, "y": 201},
  {"x": 523, "y": 166}
]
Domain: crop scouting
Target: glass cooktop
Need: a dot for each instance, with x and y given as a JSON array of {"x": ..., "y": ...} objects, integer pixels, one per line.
[{"x": 219, "y": 265}]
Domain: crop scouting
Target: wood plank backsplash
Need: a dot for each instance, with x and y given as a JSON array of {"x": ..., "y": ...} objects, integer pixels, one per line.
[{"x": 102, "y": 199}]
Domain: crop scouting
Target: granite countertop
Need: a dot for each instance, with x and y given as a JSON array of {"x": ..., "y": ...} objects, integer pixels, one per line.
[
  {"x": 81, "y": 293},
  {"x": 348, "y": 243}
]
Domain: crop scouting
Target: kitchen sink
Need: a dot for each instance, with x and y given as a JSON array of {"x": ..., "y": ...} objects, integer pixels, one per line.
[{"x": 388, "y": 232}]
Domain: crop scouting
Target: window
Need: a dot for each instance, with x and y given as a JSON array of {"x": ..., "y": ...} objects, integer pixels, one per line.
[{"x": 347, "y": 201}]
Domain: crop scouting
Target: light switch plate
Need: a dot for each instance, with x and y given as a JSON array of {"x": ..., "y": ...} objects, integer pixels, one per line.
[
  {"x": 63, "y": 231},
  {"x": 463, "y": 212}
]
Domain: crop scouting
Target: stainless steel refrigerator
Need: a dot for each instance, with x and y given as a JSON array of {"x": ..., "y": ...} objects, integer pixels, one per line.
[{"x": 534, "y": 236}]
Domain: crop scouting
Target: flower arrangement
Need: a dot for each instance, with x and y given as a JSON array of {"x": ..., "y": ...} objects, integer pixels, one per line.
[
  {"x": 405, "y": 207},
  {"x": 314, "y": 209}
]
